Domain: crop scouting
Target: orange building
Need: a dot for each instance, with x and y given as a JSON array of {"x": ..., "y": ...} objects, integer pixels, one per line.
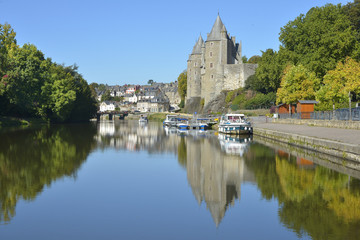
[
  {"x": 305, "y": 107},
  {"x": 284, "y": 108}
]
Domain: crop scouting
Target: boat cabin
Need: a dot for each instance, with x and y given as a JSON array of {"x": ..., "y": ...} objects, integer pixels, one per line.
[{"x": 233, "y": 118}]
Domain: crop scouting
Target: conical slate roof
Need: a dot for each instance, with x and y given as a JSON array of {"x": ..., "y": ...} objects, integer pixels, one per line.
[
  {"x": 215, "y": 34},
  {"x": 197, "y": 47}
]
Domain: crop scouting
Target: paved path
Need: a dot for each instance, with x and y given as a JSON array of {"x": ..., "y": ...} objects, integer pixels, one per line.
[{"x": 336, "y": 134}]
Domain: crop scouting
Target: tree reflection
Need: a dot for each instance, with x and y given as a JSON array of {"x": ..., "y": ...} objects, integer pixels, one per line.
[
  {"x": 318, "y": 201},
  {"x": 33, "y": 158}
]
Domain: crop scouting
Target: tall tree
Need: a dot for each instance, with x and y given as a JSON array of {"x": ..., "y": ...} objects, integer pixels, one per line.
[
  {"x": 340, "y": 83},
  {"x": 269, "y": 71},
  {"x": 320, "y": 39},
  {"x": 182, "y": 84},
  {"x": 298, "y": 83},
  {"x": 25, "y": 78}
]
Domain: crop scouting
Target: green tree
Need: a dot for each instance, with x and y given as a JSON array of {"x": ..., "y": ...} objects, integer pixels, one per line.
[
  {"x": 150, "y": 82},
  {"x": 182, "y": 84},
  {"x": 298, "y": 83},
  {"x": 352, "y": 10},
  {"x": 106, "y": 96},
  {"x": 269, "y": 72},
  {"x": 7, "y": 44},
  {"x": 254, "y": 59},
  {"x": 320, "y": 39},
  {"x": 340, "y": 83},
  {"x": 244, "y": 59},
  {"x": 26, "y": 76}
]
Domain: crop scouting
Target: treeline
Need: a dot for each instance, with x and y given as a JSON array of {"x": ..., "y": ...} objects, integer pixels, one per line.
[
  {"x": 34, "y": 86},
  {"x": 317, "y": 59}
]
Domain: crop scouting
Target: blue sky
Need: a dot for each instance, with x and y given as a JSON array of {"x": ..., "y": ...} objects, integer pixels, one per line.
[{"x": 130, "y": 42}]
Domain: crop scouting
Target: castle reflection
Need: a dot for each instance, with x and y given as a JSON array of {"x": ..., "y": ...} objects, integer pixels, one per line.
[
  {"x": 214, "y": 175},
  {"x": 214, "y": 164}
]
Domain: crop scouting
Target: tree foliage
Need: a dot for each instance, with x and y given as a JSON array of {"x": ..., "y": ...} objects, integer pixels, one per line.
[
  {"x": 182, "y": 84},
  {"x": 268, "y": 74},
  {"x": 320, "y": 39},
  {"x": 32, "y": 86},
  {"x": 298, "y": 83},
  {"x": 341, "y": 81},
  {"x": 254, "y": 59}
]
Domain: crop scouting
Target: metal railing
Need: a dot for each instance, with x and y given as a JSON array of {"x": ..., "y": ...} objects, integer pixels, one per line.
[{"x": 340, "y": 114}]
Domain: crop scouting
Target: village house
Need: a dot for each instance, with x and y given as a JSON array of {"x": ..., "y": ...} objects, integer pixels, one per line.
[
  {"x": 107, "y": 106},
  {"x": 132, "y": 89},
  {"x": 133, "y": 98}
]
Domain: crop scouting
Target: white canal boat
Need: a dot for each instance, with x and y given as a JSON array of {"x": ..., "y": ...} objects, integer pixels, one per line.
[
  {"x": 171, "y": 121},
  {"x": 235, "y": 124},
  {"x": 143, "y": 119}
]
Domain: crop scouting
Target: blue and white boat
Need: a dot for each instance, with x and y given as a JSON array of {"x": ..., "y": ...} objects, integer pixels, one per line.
[
  {"x": 235, "y": 124},
  {"x": 183, "y": 124},
  {"x": 171, "y": 121}
]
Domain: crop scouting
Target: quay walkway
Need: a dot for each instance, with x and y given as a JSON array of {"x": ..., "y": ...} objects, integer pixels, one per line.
[{"x": 343, "y": 143}]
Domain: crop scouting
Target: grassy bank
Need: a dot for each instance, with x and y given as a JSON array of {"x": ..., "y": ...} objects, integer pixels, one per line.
[
  {"x": 157, "y": 117},
  {"x": 14, "y": 122}
]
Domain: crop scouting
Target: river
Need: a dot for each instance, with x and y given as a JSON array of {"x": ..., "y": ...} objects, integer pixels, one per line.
[{"x": 125, "y": 180}]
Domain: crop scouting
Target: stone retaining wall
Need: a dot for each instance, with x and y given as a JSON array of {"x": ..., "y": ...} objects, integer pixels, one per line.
[
  {"x": 321, "y": 123},
  {"x": 338, "y": 149}
]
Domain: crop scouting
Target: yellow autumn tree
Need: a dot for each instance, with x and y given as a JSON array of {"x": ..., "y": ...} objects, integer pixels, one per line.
[
  {"x": 340, "y": 83},
  {"x": 297, "y": 83}
]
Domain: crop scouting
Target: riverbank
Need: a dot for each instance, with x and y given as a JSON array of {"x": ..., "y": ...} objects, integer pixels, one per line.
[
  {"x": 342, "y": 143},
  {"x": 16, "y": 122}
]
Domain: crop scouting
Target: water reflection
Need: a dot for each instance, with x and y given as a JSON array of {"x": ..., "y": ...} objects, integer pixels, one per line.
[
  {"x": 33, "y": 158},
  {"x": 215, "y": 177},
  {"x": 317, "y": 195},
  {"x": 314, "y": 201}
]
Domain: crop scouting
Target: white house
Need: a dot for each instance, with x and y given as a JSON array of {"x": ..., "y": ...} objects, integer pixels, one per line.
[
  {"x": 107, "y": 106},
  {"x": 133, "y": 99}
]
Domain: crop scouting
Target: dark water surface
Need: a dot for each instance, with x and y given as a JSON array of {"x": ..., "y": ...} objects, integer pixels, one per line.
[{"x": 123, "y": 180}]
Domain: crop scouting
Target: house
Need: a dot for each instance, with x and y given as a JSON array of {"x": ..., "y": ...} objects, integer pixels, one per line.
[
  {"x": 127, "y": 97},
  {"x": 132, "y": 89},
  {"x": 133, "y": 98},
  {"x": 107, "y": 106},
  {"x": 143, "y": 105}
]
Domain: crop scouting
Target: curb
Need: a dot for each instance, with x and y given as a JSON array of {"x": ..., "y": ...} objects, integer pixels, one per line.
[{"x": 342, "y": 150}]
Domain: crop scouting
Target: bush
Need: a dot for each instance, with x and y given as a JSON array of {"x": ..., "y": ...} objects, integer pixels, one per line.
[
  {"x": 234, "y": 107},
  {"x": 182, "y": 103},
  {"x": 229, "y": 96},
  {"x": 261, "y": 101}
]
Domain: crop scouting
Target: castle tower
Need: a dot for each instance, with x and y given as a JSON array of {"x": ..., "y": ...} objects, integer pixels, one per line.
[
  {"x": 215, "y": 65},
  {"x": 216, "y": 48},
  {"x": 193, "y": 70}
]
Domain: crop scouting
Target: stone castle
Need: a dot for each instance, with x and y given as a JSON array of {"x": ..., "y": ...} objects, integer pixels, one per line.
[{"x": 215, "y": 65}]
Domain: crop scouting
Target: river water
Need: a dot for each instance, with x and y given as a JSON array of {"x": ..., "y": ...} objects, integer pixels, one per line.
[{"x": 123, "y": 180}]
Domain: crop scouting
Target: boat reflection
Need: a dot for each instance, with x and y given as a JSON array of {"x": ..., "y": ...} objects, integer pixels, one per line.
[{"x": 234, "y": 145}]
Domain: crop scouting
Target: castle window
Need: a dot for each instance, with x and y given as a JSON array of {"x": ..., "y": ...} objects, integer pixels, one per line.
[
  {"x": 212, "y": 76},
  {"x": 211, "y": 43},
  {"x": 195, "y": 64},
  {"x": 211, "y": 65},
  {"x": 210, "y": 54}
]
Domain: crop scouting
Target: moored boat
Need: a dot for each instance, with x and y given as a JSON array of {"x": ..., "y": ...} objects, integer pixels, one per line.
[
  {"x": 235, "y": 124},
  {"x": 183, "y": 124},
  {"x": 143, "y": 119},
  {"x": 170, "y": 121}
]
